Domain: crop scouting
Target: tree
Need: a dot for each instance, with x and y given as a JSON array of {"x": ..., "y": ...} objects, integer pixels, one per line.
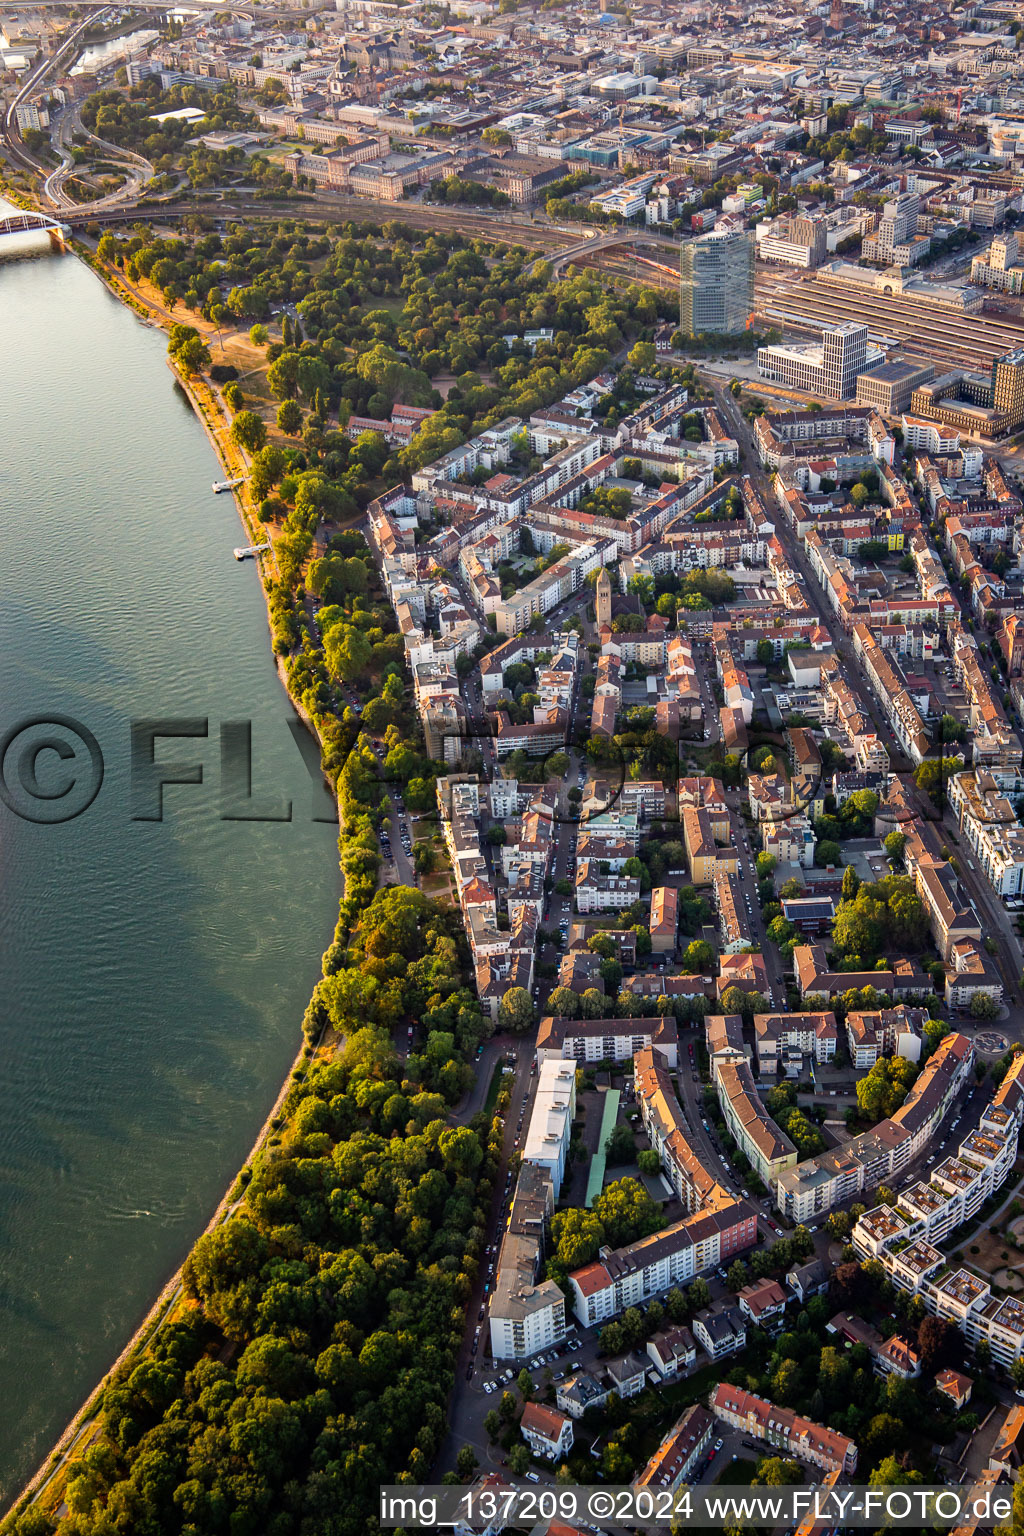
[
  {"x": 698, "y": 958},
  {"x": 289, "y": 417},
  {"x": 737, "y": 1276},
  {"x": 881, "y": 1092},
  {"x": 647, "y": 1161},
  {"x": 564, "y": 1003},
  {"x": 620, "y": 1146},
  {"x": 627, "y": 1212},
  {"x": 249, "y": 431},
  {"x": 492, "y": 1425},
  {"x": 192, "y": 356},
  {"x": 642, "y": 356},
  {"x": 890, "y": 1473},
  {"x": 592, "y": 1004},
  {"x": 894, "y": 845},
  {"x": 934, "y": 774},
  {"x": 765, "y": 652},
  {"x": 939, "y": 1343},
  {"x": 424, "y": 859},
  {"x": 983, "y": 1006},
  {"x": 698, "y": 1294},
  {"x": 524, "y": 1381},
  {"x": 515, "y": 1011},
  {"x": 786, "y": 1383},
  {"x": 776, "y": 1472},
  {"x": 348, "y": 652},
  {"x": 466, "y": 1462},
  {"x": 519, "y": 1459},
  {"x": 828, "y": 852},
  {"x": 851, "y": 883}
]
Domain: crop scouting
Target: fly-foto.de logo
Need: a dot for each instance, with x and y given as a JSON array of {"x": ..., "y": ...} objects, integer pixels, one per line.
[{"x": 52, "y": 768}]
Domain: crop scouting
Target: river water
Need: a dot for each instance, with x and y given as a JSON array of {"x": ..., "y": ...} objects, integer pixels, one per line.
[{"x": 153, "y": 976}]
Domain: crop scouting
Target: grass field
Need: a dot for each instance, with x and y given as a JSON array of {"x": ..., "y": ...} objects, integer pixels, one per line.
[{"x": 737, "y": 1474}]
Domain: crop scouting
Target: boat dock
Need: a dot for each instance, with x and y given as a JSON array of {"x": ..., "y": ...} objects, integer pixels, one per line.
[
  {"x": 226, "y": 485},
  {"x": 251, "y": 552}
]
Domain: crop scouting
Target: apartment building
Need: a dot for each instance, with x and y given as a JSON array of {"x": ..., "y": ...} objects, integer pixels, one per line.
[
  {"x": 703, "y": 853},
  {"x": 546, "y": 591},
  {"x": 547, "y": 1432},
  {"x": 546, "y": 1143},
  {"x": 989, "y": 823},
  {"x": 604, "y": 893},
  {"x": 665, "y": 1123},
  {"x": 664, "y": 923},
  {"x": 904, "y": 1238},
  {"x": 672, "y": 1351},
  {"x": 971, "y": 972},
  {"x": 591, "y": 1040},
  {"x": 783, "y": 1040},
  {"x": 631, "y": 1276},
  {"x": 951, "y": 915},
  {"x": 680, "y": 1451},
  {"x": 887, "y": 1032},
  {"x": 720, "y": 1331},
  {"x": 734, "y": 925},
  {"x": 767, "y": 1148},
  {"x": 526, "y": 1316},
  {"x": 815, "y": 979},
  {"x": 836, "y": 1177},
  {"x": 783, "y": 1429}
]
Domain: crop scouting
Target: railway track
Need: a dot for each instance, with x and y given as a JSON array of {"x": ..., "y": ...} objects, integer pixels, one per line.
[{"x": 940, "y": 335}]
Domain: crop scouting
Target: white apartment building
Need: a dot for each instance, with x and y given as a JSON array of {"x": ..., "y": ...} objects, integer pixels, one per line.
[
  {"x": 929, "y": 436},
  {"x": 604, "y": 893},
  {"x": 550, "y": 1128},
  {"x": 526, "y": 1317},
  {"x": 903, "y": 1238},
  {"x": 589, "y": 1040},
  {"x": 546, "y": 591},
  {"x": 989, "y": 822}
]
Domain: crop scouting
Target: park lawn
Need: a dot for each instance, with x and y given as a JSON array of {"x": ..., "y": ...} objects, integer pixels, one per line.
[
  {"x": 737, "y": 1474},
  {"x": 692, "y": 1389}
]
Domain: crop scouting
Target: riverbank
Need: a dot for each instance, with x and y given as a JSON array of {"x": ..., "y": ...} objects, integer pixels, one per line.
[
  {"x": 45, "y": 1487},
  {"x": 76, "y": 1435}
]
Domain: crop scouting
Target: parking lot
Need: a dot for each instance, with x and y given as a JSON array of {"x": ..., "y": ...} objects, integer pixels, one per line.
[{"x": 552, "y": 1365}]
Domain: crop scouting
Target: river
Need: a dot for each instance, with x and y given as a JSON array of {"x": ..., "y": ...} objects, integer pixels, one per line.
[{"x": 153, "y": 975}]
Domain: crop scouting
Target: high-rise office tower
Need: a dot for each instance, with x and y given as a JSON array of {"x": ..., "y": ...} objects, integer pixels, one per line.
[
  {"x": 844, "y": 355},
  {"x": 716, "y": 291},
  {"x": 1008, "y": 385}
]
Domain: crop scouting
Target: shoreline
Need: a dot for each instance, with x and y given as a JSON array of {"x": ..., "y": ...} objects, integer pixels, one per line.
[{"x": 163, "y": 1307}]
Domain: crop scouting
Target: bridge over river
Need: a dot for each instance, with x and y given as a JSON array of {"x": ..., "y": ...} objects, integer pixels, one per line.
[{"x": 18, "y": 222}]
